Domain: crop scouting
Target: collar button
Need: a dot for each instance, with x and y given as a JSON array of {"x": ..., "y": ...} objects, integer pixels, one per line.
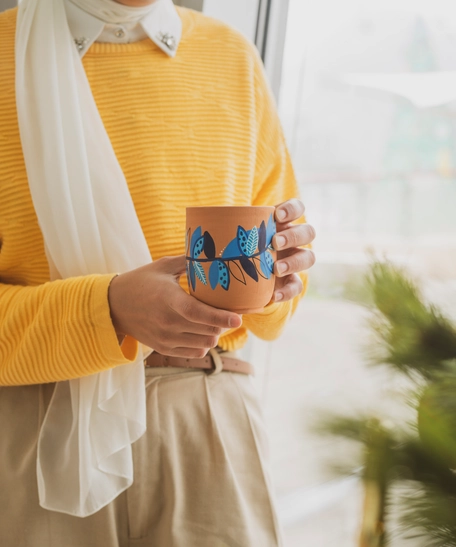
[
  {"x": 119, "y": 33},
  {"x": 168, "y": 40},
  {"x": 80, "y": 43}
]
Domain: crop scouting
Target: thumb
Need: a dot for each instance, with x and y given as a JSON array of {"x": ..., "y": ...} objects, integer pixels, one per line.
[{"x": 175, "y": 265}]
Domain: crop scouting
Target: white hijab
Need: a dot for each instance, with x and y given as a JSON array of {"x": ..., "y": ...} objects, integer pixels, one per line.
[{"x": 89, "y": 225}]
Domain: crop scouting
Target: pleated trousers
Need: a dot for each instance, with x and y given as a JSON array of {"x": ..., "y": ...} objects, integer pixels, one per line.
[{"x": 201, "y": 470}]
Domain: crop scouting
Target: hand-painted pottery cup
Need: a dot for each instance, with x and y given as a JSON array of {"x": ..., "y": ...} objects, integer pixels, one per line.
[{"x": 230, "y": 259}]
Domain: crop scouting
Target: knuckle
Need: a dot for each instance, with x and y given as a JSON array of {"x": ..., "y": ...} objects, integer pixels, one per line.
[
  {"x": 311, "y": 232},
  {"x": 294, "y": 237},
  {"x": 212, "y": 341},
  {"x": 295, "y": 207},
  {"x": 300, "y": 206},
  {"x": 293, "y": 288},
  {"x": 288, "y": 206},
  {"x": 296, "y": 263},
  {"x": 187, "y": 309},
  {"x": 299, "y": 285},
  {"x": 310, "y": 258}
]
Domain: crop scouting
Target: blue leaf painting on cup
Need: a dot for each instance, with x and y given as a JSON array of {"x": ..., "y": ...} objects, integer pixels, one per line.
[{"x": 247, "y": 254}]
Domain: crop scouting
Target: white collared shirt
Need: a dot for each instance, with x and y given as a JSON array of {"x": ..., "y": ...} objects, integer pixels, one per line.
[{"x": 162, "y": 25}]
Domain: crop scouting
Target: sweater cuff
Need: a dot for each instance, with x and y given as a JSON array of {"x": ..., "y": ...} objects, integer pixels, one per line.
[{"x": 101, "y": 319}]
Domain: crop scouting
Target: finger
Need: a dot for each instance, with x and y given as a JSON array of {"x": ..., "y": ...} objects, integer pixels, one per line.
[
  {"x": 201, "y": 328},
  {"x": 294, "y": 236},
  {"x": 197, "y": 312},
  {"x": 175, "y": 322},
  {"x": 289, "y": 290},
  {"x": 190, "y": 340},
  {"x": 178, "y": 324},
  {"x": 298, "y": 261},
  {"x": 289, "y": 210}
]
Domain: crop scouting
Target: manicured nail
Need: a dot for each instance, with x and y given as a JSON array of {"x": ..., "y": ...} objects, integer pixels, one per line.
[
  {"x": 280, "y": 241},
  {"x": 234, "y": 322},
  {"x": 282, "y": 267},
  {"x": 278, "y": 296},
  {"x": 281, "y": 214}
]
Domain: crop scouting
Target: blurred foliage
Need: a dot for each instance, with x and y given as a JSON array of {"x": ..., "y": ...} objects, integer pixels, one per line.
[{"x": 415, "y": 339}]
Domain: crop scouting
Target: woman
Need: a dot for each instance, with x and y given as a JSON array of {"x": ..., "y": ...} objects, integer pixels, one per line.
[{"x": 123, "y": 115}]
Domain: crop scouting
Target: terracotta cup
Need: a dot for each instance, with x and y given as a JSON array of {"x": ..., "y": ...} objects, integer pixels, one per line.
[{"x": 230, "y": 260}]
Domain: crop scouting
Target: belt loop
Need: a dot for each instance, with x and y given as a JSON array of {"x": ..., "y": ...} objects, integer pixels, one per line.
[{"x": 218, "y": 365}]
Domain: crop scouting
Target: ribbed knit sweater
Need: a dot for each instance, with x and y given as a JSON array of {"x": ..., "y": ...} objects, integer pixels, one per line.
[{"x": 199, "y": 129}]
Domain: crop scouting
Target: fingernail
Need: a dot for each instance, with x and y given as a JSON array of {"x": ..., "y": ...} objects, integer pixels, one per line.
[
  {"x": 278, "y": 296},
  {"x": 234, "y": 322},
  {"x": 280, "y": 241},
  {"x": 281, "y": 214},
  {"x": 282, "y": 267}
]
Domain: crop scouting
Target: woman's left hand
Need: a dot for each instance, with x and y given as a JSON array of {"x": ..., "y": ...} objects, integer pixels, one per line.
[{"x": 291, "y": 259}]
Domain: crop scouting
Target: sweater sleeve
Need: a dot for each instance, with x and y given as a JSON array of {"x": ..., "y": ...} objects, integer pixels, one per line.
[
  {"x": 274, "y": 183},
  {"x": 58, "y": 331}
]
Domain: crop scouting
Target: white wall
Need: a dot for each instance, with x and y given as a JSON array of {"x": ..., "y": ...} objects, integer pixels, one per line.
[{"x": 240, "y": 14}]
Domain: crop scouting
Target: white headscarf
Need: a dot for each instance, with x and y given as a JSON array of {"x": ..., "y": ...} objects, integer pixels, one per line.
[{"x": 89, "y": 225}]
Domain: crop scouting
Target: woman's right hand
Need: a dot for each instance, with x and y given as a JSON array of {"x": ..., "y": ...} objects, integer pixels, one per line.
[{"x": 149, "y": 304}]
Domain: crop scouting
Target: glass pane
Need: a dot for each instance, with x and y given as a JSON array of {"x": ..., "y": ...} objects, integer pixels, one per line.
[{"x": 368, "y": 107}]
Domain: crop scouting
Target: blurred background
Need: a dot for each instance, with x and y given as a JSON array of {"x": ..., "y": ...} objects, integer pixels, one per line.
[{"x": 366, "y": 92}]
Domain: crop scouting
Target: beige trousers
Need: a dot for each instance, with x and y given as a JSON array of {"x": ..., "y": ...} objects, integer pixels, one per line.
[{"x": 201, "y": 471}]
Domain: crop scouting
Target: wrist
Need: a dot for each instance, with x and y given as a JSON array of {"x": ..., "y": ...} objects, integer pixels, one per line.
[{"x": 115, "y": 308}]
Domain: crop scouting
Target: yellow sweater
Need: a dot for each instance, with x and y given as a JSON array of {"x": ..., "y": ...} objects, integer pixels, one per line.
[{"x": 199, "y": 129}]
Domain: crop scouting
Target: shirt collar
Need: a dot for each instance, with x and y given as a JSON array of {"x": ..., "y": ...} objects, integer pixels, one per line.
[{"x": 162, "y": 25}]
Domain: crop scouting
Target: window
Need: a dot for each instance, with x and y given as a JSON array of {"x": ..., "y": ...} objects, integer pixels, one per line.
[{"x": 367, "y": 101}]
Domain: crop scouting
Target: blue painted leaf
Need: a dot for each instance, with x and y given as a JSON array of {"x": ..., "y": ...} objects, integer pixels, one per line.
[
  {"x": 196, "y": 235},
  {"x": 270, "y": 230},
  {"x": 198, "y": 248},
  {"x": 249, "y": 268},
  {"x": 269, "y": 260},
  {"x": 232, "y": 249},
  {"x": 252, "y": 242},
  {"x": 192, "y": 278},
  {"x": 242, "y": 238},
  {"x": 262, "y": 237},
  {"x": 238, "y": 274},
  {"x": 200, "y": 273},
  {"x": 224, "y": 275},
  {"x": 209, "y": 245},
  {"x": 264, "y": 264},
  {"x": 214, "y": 274}
]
